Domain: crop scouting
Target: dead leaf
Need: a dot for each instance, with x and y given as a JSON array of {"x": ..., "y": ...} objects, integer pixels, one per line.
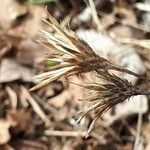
[
  {"x": 23, "y": 119},
  {"x": 60, "y": 100},
  {"x": 30, "y": 52},
  {"x": 10, "y": 11},
  {"x": 5, "y": 124},
  {"x": 10, "y": 70},
  {"x": 19, "y": 120},
  {"x": 33, "y": 23},
  {"x": 6, "y": 147},
  {"x": 4, "y": 131}
]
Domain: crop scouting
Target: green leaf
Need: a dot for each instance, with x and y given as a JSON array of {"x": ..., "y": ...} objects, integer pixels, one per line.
[{"x": 51, "y": 63}]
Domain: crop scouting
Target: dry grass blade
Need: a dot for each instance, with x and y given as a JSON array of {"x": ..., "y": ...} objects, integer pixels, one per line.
[
  {"x": 143, "y": 43},
  {"x": 143, "y": 7},
  {"x": 95, "y": 16},
  {"x": 35, "y": 106},
  {"x": 58, "y": 133},
  {"x": 73, "y": 55}
]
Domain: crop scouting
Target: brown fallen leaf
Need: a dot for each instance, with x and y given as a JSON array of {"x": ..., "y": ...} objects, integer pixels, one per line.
[
  {"x": 23, "y": 120},
  {"x": 6, "y": 147},
  {"x": 18, "y": 120}
]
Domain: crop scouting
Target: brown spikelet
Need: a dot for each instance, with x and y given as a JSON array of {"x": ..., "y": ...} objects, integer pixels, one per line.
[
  {"x": 73, "y": 54},
  {"x": 114, "y": 90}
]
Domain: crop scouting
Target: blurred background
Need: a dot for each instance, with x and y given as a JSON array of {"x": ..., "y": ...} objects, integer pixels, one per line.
[{"x": 45, "y": 119}]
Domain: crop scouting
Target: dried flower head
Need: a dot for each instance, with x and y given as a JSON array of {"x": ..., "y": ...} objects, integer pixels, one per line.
[
  {"x": 71, "y": 55},
  {"x": 105, "y": 95}
]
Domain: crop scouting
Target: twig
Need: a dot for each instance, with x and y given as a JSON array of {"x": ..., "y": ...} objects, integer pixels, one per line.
[
  {"x": 73, "y": 134},
  {"x": 4, "y": 50},
  {"x": 65, "y": 133},
  {"x": 138, "y": 142},
  {"x": 95, "y": 16},
  {"x": 136, "y": 26},
  {"x": 35, "y": 106},
  {"x": 110, "y": 130},
  {"x": 128, "y": 126},
  {"x": 12, "y": 97}
]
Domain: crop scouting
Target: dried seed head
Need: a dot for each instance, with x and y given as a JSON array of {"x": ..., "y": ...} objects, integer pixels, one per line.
[
  {"x": 106, "y": 95},
  {"x": 72, "y": 54}
]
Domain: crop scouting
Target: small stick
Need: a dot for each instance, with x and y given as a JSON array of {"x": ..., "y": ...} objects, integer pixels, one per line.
[
  {"x": 35, "y": 106},
  {"x": 138, "y": 143},
  {"x": 65, "y": 133},
  {"x": 73, "y": 134},
  {"x": 95, "y": 16}
]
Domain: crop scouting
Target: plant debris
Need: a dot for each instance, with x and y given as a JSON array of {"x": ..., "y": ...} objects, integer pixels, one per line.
[
  {"x": 92, "y": 65},
  {"x": 73, "y": 54}
]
